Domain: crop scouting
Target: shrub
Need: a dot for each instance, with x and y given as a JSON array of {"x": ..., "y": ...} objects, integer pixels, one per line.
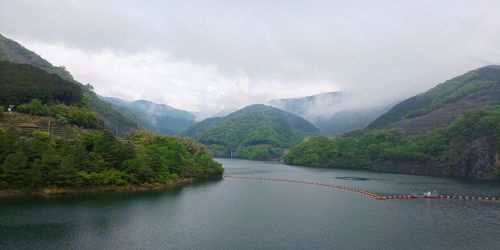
[{"x": 63, "y": 113}]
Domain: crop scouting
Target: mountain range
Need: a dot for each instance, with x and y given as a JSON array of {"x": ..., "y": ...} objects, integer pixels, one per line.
[
  {"x": 122, "y": 117},
  {"x": 156, "y": 117},
  {"x": 330, "y": 112}
]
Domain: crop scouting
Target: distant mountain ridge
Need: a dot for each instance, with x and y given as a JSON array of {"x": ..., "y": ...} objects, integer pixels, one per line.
[
  {"x": 329, "y": 112},
  {"x": 301, "y": 105},
  {"x": 255, "y": 132},
  {"x": 160, "y": 118}
]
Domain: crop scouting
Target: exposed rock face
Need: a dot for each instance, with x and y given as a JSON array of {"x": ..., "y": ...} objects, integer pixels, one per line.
[{"x": 479, "y": 162}]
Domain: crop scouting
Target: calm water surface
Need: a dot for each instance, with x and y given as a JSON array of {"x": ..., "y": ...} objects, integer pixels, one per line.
[{"x": 251, "y": 214}]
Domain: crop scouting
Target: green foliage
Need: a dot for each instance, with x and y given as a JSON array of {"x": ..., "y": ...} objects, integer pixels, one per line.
[
  {"x": 441, "y": 147},
  {"x": 219, "y": 150},
  {"x": 323, "y": 152},
  {"x": 363, "y": 151},
  {"x": 106, "y": 177},
  {"x": 35, "y": 107},
  {"x": 21, "y": 83},
  {"x": 15, "y": 170},
  {"x": 254, "y": 132},
  {"x": 166, "y": 156},
  {"x": 63, "y": 113},
  {"x": 258, "y": 152},
  {"x": 100, "y": 159},
  {"x": 75, "y": 115},
  {"x": 478, "y": 123}
]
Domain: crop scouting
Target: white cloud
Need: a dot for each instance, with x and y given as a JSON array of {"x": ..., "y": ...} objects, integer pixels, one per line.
[
  {"x": 152, "y": 75},
  {"x": 210, "y": 55}
]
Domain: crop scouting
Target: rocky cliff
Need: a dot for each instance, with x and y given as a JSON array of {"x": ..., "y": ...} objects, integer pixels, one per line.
[{"x": 479, "y": 161}]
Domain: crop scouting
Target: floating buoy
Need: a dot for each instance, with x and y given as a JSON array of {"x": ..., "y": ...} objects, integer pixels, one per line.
[{"x": 367, "y": 193}]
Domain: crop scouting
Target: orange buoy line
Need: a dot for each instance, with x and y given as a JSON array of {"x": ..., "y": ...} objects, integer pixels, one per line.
[{"x": 368, "y": 193}]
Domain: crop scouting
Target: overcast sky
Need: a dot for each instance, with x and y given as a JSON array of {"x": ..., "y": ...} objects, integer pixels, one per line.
[{"x": 214, "y": 55}]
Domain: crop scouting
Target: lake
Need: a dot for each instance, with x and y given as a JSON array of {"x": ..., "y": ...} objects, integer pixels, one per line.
[{"x": 256, "y": 214}]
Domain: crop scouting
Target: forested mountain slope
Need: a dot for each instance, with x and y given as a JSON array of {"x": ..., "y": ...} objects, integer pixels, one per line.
[
  {"x": 450, "y": 130},
  {"x": 442, "y": 104},
  {"x": 156, "y": 117},
  {"x": 53, "y": 143},
  {"x": 14, "y": 52},
  {"x": 254, "y": 132}
]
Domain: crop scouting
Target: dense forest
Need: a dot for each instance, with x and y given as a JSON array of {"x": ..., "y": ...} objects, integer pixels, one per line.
[
  {"x": 442, "y": 149},
  {"x": 99, "y": 159},
  {"x": 21, "y": 83},
  {"x": 256, "y": 132},
  {"x": 83, "y": 154},
  {"x": 33, "y": 91}
]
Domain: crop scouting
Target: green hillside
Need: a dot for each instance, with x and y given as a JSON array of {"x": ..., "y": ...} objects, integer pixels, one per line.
[
  {"x": 256, "y": 132},
  {"x": 450, "y": 130},
  {"x": 115, "y": 121},
  {"x": 99, "y": 161},
  {"x": 14, "y": 52},
  {"x": 444, "y": 103},
  {"x": 53, "y": 141},
  {"x": 21, "y": 83},
  {"x": 33, "y": 91}
]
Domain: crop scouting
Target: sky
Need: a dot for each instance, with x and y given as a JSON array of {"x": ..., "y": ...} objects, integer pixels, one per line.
[{"x": 209, "y": 56}]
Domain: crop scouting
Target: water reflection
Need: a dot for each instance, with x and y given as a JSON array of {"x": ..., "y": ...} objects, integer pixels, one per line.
[{"x": 248, "y": 214}]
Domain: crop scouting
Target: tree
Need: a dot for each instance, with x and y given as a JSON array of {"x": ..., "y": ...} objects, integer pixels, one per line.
[
  {"x": 65, "y": 172},
  {"x": 35, "y": 107},
  {"x": 15, "y": 170},
  {"x": 112, "y": 151}
]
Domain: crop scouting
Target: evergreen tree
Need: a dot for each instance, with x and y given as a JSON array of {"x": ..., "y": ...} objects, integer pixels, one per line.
[{"x": 15, "y": 170}]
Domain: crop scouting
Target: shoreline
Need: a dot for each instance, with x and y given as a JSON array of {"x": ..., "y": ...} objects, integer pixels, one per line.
[{"x": 129, "y": 188}]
